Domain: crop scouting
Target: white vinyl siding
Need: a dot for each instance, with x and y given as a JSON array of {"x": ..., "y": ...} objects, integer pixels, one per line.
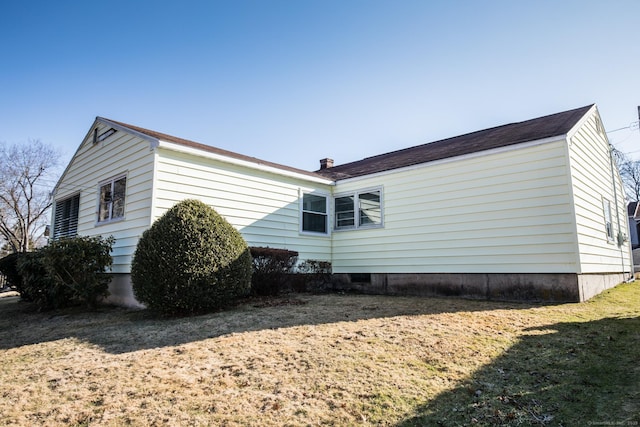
[
  {"x": 529, "y": 208},
  {"x": 120, "y": 153},
  {"x": 594, "y": 181},
  {"x": 264, "y": 207},
  {"x": 506, "y": 212}
]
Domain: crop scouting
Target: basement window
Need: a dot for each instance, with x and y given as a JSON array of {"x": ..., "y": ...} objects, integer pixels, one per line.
[{"x": 360, "y": 277}]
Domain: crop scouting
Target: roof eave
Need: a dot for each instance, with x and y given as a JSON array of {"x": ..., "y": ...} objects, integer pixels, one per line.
[
  {"x": 576, "y": 127},
  {"x": 511, "y": 147},
  {"x": 318, "y": 179},
  {"x": 152, "y": 141}
]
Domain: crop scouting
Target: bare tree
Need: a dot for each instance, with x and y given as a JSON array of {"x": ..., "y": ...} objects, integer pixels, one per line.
[
  {"x": 629, "y": 172},
  {"x": 27, "y": 174}
]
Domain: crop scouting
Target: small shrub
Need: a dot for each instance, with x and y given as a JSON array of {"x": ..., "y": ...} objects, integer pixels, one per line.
[
  {"x": 37, "y": 284},
  {"x": 190, "y": 261},
  {"x": 271, "y": 270},
  {"x": 80, "y": 264},
  {"x": 67, "y": 272}
]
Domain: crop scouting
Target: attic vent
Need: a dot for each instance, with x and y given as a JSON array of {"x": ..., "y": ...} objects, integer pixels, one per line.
[
  {"x": 599, "y": 126},
  {"x": 106, "y": 134}
]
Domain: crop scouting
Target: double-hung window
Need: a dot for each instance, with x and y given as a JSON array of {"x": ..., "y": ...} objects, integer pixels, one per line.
[
  {"x": 314, "y": 213},
  {"x": 358, "y": 210},
  {"x": 112, "y": 196}
]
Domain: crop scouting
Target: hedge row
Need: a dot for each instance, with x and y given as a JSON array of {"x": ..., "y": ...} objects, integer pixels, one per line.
[{"x": 277, "y": 270}]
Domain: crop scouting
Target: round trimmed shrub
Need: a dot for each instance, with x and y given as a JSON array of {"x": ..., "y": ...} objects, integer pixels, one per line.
[{"x": 190, "y": 261}]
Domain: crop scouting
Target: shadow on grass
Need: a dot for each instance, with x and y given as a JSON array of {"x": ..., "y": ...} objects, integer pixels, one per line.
[
  {"x": 118, "y": 330},
  {"x": 566, "y": 374}
]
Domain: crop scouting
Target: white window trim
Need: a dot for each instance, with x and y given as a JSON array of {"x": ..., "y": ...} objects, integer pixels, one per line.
[
  {"x": 327, "y": 199},
  {"x": 126, "y": 190},
  {"x": 356, "y": 213}
]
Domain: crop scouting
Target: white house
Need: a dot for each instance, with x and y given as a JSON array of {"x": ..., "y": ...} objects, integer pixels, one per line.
[{"x": 528, "y": 210}]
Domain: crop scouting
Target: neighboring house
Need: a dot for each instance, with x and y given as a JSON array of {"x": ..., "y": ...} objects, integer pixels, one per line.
[
  {"x": 634, "y": 220},
  {"x": 530, "y": 210}
]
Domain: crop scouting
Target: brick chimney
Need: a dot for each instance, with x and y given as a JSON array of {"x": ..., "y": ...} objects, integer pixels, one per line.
[{"x": 326, "y": 163}]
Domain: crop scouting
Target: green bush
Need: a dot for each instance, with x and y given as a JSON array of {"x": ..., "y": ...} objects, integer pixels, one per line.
[
  {"x": 190, "y": 261},
  {"x": 81, "y": 264},
  {"x": 67, "y": 272},
  {"x": 272, "y": 270},
  {"x": 37, "y": 284}
]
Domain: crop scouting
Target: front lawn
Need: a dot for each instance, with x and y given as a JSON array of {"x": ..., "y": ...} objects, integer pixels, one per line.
[{"x": 327, "y": 359}]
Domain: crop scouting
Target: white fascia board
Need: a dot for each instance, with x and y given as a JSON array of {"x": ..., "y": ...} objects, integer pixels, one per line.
[
  {"x": 238, "y": 162},
  {"x": 582, "y": 120},
  {"x": 54, "y": 191},
  {"x": 460, "y": 158},
  {"x": 152, "y": 141}
]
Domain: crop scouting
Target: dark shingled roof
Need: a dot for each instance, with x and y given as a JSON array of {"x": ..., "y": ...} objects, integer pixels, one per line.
[
  {"x": 501, "y": 136},
  {"x": 208, "y": 148}
]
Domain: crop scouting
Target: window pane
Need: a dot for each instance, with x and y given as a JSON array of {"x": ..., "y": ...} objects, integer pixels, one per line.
[
  {"x": 105, "y": 202},
  {"x": 112, "y": 198},
  {"x": 370, "y": 208},
  {"x": 119, "y": 190},
  {"x": 314, "y": 213},
  {"x": 314, "y": 222},
  {"x": 314, "y": 203},
  {"x": 344, "y": 207}
]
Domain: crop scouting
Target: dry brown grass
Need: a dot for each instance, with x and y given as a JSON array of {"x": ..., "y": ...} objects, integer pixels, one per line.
[{"x": 326, "y": 360}]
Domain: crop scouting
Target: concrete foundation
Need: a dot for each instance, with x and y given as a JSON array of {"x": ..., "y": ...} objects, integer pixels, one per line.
[
  {"x": 531, "y": 287},
  {"x": 547, "y": 287},
  {"x": 591, "y": 285}
]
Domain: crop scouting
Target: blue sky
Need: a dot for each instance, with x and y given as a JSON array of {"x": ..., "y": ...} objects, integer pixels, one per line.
[{"x": 296, "y": 81}]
